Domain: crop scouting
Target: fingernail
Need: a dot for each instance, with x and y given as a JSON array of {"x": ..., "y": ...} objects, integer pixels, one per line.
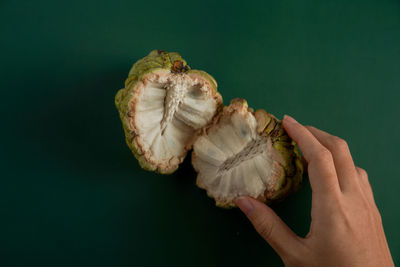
[
  {"x": 289, "y": 119},
  {"x": 244, "y": 204}
]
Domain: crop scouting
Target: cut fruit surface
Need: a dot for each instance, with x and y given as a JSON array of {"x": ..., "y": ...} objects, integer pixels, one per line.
[
  {"x": 163, "y": 107},
  {"x": 243, "y": 153}
]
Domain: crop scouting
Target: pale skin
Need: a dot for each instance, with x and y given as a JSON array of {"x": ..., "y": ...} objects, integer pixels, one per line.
[{"x": 346, "y": 226}]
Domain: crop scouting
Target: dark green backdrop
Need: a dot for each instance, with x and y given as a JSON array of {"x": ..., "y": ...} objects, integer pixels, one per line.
[{"x": 72, "y": 194}]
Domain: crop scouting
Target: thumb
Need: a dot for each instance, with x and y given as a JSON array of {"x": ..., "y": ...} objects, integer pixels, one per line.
[{"x": 270, "y": 226}]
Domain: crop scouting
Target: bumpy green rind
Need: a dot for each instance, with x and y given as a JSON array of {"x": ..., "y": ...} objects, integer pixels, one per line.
[
  {"x": 292, "y": 163},
  {"x": 155, "y": 60}
]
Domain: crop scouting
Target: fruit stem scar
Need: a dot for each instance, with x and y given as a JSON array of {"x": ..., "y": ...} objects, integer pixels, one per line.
[{"x": 178, "y": 66}]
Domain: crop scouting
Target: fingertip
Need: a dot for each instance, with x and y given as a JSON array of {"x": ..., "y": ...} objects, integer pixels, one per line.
[
  {"x": 245, "y": 204},
  {"x": 291, "y": 125},
  {"x": 289, "y": 119},
  {"x": 251, "y": 206}
]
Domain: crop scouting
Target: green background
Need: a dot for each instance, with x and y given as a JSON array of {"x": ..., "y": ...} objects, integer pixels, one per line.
[{"x": 71, "y": 193}]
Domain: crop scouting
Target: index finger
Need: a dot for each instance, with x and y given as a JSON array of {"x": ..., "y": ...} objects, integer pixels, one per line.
[{"x": 321, "y": 168}]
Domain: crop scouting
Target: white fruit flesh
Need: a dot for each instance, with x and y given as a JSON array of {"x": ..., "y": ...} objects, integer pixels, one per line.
[
  {"x": 169, "y": 108},
  {"x": 232, "y": 159}
]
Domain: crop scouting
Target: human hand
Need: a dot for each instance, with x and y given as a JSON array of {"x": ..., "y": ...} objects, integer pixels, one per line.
[{"x": 346, "y": 227}]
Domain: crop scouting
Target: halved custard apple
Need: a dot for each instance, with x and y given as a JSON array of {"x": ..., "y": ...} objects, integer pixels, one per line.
[
  {"x": 246, "y": 153},
  {"x": 162, "y": 108}
]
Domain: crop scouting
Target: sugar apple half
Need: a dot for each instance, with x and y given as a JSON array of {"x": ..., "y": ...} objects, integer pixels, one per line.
[
  {"x": 243, "y": 152},
  {"x": 162, "y": 108}
]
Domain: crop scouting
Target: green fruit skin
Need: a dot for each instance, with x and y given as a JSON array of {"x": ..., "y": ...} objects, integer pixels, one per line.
[
  {"x": 155, "y": 60},
  {"x": 292, "y": 164}
]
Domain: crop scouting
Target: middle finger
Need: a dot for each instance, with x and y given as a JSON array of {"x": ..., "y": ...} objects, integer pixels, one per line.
[{"x": 344, "y": 165}]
